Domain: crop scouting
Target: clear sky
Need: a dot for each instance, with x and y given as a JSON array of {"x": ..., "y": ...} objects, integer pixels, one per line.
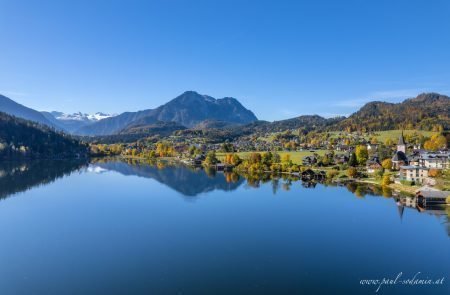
[{"x": 279, "y": 58}]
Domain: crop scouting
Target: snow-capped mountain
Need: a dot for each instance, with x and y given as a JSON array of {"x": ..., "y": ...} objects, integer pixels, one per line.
[
  {"x": 72, "y": 122},
  {"x": 80, "y": 116}
]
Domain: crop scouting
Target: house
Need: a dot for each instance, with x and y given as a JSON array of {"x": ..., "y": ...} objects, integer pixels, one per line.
[
  {"x": 372, "y": 146},
  {"x": 373, "y": 165},
  {"x": 309, "y": 160},
  {"x": 428, "y": 196},
  {"x": 341, "y": 158},
  {"x": 439, "y": 160},
  {"x": 400, "y": 158},
  {"x": 198, "y": 160},
  {"x": 416, "y": 174}
]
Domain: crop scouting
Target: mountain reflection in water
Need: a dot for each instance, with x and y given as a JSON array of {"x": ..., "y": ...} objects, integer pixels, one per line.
[{"x": 16, "y": 177}]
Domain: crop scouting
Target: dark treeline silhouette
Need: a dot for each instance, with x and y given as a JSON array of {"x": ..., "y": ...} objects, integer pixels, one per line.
[
  {"x": 22, "y": 139},
  {"x": 19, "y": 176}
]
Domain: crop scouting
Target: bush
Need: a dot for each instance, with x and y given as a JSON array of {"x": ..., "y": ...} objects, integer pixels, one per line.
[
  {"x": 434, "y": 173},
  {"x": 332, "y": 173},
  {"x": 407, "y": 182},
  {"x": 386, "y": 180},
  {"x": 352, "y": 172},
  {"x": 378, "y": 173}
]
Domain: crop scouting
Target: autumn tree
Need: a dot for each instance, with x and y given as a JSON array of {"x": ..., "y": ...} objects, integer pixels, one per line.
[
  {"x": 211, "y": 159},
  {"x": 361, "y": 154},
  {"x": 386, "y": 164},
  {"x": 434, "y": 173},
  {"x": 386, "y": 180},
  {"x": 436, "y": 142},
  {"x": 352, "y": 172}
]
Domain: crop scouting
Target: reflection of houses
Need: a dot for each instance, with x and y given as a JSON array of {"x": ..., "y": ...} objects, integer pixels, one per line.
[
  {"x": 309, "y": 174},
  {"x": 309, "y": 184},
  {"x": 413, "y": 203},
  {"x": 400, "y": 158}
]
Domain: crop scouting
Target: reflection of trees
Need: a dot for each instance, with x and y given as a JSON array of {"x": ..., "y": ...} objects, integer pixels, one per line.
[
  {"x": 231, "y": 177},
  {"x": 352, "y": 186},
  {"x": 359, "y": 191},
  {"x": 21, "y": 176},
  {"x": 386, "y": 191},
  {"x": 210, "y": 171},
  {"x": 275, "y": 185}
]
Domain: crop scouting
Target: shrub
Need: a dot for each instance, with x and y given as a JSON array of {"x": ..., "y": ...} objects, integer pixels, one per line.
[
  {"x": 386, "y": 180},
  {"x": 434, "y": 173},
  {"x": 407, "y": 182},
  {"x": 352, "y": 172},
  {"x": 332, "y": 173}
]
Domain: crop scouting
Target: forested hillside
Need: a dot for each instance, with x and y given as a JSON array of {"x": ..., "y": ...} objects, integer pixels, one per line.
[
  {"x": 26, "y": 139},
  {"x": 428, "y": 111}
]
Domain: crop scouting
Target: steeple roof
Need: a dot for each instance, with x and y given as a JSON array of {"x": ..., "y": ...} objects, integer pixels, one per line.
[{"x": 401, "y": 140}]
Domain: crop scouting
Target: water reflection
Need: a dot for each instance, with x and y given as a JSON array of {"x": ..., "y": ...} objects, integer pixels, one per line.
[
  {"x": 411, "y": 203},
  {"x": 185, "y": 180},
  {"x": 17, "y": 177}
]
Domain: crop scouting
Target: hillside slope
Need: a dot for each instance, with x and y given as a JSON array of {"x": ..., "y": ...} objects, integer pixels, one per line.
[
  {"x": 13, "y": 108},
  {"x": 427, "y": 111},
  {"x": 26, "y": 139}
]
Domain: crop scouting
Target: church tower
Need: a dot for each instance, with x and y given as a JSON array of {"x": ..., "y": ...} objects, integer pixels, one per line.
[{"x": 401, "y": 146}]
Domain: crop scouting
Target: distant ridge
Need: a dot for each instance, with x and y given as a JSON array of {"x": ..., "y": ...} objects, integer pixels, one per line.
[
  {"x": 188, "y": 109},
  {"x": 426, "y": 111}
]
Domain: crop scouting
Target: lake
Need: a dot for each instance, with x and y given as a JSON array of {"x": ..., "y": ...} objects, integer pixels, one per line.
[{"x": 115, "y": 227}]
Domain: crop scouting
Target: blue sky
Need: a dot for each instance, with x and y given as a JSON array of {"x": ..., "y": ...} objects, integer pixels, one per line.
[{"x": 279, "y": 58}]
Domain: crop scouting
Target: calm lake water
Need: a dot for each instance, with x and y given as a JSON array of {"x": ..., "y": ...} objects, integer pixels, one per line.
[{"x": 132, "y": 228}]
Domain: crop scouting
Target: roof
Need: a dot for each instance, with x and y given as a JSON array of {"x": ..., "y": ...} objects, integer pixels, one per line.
[
  {"x": 413, "y": 167},
  {"x": 434, "y": 194},
  {"x": 427, "y": 188},
  {"x": 401, "y": 140},
  {"x": 399, "y": 156}
]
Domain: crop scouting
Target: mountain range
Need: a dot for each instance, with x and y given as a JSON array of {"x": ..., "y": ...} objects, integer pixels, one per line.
[
  {"x": 71, "y": 123},
  {"x": 228, "y": 117},
  {"x": 188, "y": 110}
]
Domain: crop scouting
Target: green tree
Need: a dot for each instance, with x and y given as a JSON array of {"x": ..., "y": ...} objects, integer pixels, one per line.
[
  {"x": 276, "y": 158},
  {"x": 352, "y": 161},
  {"x": 210, "y": 159}
]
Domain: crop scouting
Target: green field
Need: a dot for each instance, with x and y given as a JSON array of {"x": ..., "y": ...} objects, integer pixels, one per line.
[{"x": 296, "y": 157}]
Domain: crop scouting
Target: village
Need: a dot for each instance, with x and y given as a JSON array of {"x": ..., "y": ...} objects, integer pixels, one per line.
[{"x": 413, "y": 161}]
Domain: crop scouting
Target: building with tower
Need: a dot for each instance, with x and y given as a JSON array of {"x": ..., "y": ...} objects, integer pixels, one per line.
[{"x": 400, "y": 158}]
